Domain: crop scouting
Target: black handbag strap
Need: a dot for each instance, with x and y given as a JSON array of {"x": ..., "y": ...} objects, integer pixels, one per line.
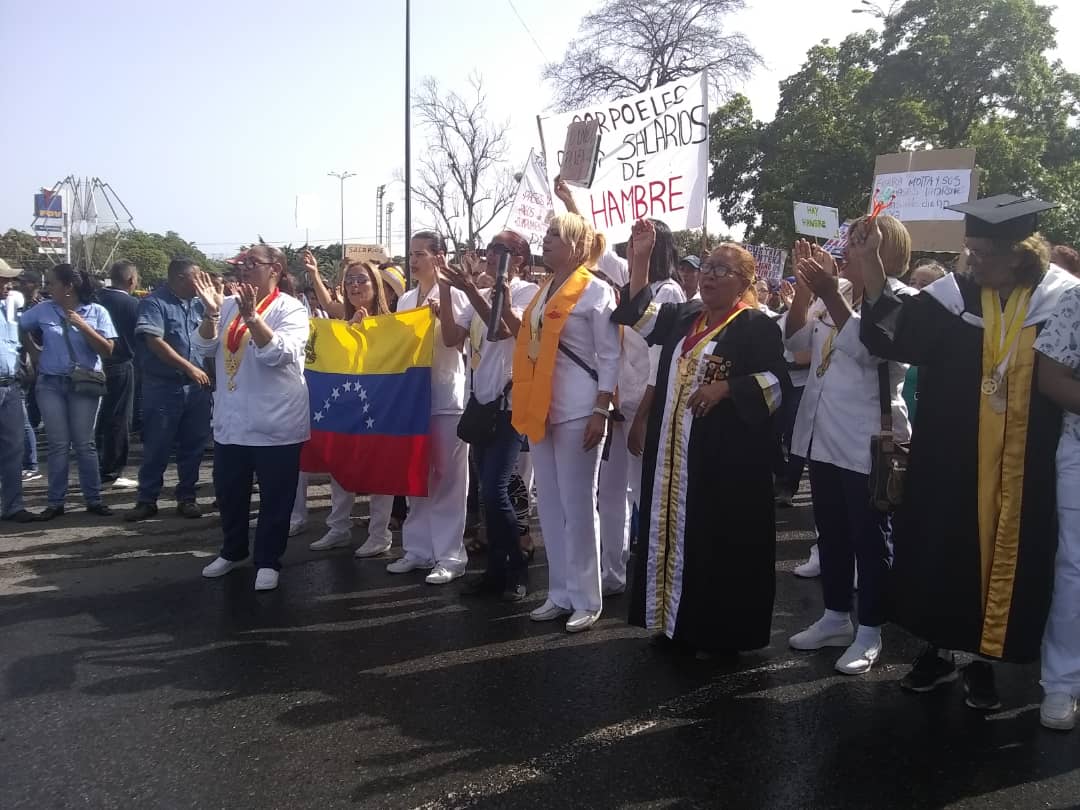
[
  {"x": 884, "y": 397},
  {"x": 588, "y": 369},
  {"x": 66, "y": 327}
]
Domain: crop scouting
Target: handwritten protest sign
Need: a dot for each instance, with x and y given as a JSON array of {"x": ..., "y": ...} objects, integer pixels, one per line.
[
  {"x": 921, "y": 185},
  {"x": 817, "y": 220},
  {"x": 365, "y": 253},
  {"x": 532, "y": 208},
  {"x": 581, "y": 153},
  {"x": 654, "y": 150},
  {"x": 770, "y": 261}
]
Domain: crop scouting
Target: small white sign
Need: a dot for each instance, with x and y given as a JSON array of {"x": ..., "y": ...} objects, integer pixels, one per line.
[
  {"x": 817, "y": 220},
  {"x": 532, "y": 208},
  {"x": 307, "y": 211},
  {"x": 922, "y": 196},
  {"x": 770, "y": 261}
]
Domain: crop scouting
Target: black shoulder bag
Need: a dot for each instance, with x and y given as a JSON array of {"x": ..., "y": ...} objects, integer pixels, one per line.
[
  {"x": 888, "y": 457},
  {"x": 478, "y": 424},
  {"x": 85, "y": 382}
]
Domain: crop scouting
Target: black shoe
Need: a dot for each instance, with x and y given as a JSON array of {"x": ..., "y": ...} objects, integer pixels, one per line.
[
  {"x": 49, "y": 513},
  {"x": 929, "y": 672},
  {"x": 979, "y": 685},
  {"x": 142, "y": 511},
  {"x": 188, "y": 509},
  {"x": 482, "y": 586},
  {"x": 22, "y": 516},
  {"x": 514, "y": 593},
  {"x": 99, "y": 509}
]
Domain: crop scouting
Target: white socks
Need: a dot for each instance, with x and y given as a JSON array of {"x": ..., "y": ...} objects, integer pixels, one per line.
[{"x": 835, "y": 620}]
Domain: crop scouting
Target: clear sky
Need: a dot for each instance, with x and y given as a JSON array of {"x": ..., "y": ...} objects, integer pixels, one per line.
[{"x": 208, "y": 117}]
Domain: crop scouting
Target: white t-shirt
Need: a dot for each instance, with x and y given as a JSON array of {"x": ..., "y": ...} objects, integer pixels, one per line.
[
  {"x": 448, "y": 365},
  {"x": 493, "y": 372}
]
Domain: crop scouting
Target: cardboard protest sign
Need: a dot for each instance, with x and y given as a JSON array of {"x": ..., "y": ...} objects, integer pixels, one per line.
[
  {"x": 920, "y": 185},
  {"x": 654, "y": 152},
  {"x": 365, "y": 253},
  {"x": 581, "y": 153},
  {"x": 770, "y": 261},
  {"x": 532, "y": 208},
  {"x": 817, "y": 220}
]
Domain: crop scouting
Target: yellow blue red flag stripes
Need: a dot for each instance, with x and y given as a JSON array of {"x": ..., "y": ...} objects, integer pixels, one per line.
[{"x": 369, "y": 387}]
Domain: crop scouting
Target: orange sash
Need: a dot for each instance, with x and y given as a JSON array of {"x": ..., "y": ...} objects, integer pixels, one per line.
[{"x": 532, "y": 380}]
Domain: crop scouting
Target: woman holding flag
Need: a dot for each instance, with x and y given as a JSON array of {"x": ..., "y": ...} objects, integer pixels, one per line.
[
  {"x": 261, "y": 415},
  {"x": 566, "y": 366},
  {"x": 433, "y": 532},
  {"x": 703, "y": 567}
]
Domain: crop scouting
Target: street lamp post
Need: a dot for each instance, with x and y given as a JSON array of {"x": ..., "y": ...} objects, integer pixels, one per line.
[
  {"x": 389, "y": 235},
  {"x": 342, "y": 177},
  {"x": 408, "y": 140}
]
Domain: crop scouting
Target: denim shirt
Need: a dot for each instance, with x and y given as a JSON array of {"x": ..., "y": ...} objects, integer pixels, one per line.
[
  {"x": 9, "y": 340},
  {"x": 162, "y": 314},
  {"x": 48, "y": 318}
]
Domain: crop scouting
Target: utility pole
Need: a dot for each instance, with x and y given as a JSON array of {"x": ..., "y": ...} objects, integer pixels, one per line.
[
  {"x": 380, "y": 192},
  {"x": 342, "y": 177},
  {"x": 389, "y": 233},
  {"x": 408, "y": 140}
]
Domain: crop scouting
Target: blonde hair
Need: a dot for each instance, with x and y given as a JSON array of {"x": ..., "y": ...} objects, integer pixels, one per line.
[
  {"x": 744, "y": 265},
  {"x": 895, "y": 248},
  {"x": 381, "y": 307},
  {"x": 1032, "y": 255},
  {"x": 586, "y": 244}
]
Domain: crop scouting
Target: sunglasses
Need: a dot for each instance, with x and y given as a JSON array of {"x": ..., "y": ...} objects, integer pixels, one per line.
[
  {"x": 715, "y": 270},
  {"x": 356, "y": 281}
]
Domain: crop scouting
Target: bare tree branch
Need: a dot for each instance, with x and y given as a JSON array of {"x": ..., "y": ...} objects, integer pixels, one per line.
[
  {"x": 629, "y": 46},
  {"x": 462, "y": 177}
]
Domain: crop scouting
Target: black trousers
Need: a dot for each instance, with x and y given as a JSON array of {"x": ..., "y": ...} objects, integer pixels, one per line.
[
  {"x": 278, "y": 469},
  {"x": 114, "y": 420}
]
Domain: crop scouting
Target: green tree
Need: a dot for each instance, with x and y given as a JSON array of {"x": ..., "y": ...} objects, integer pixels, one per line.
[
  {"x": 688, "y": 242},
  {"x": 943, "y": 74},
  {"x": 20, "y": 249}
]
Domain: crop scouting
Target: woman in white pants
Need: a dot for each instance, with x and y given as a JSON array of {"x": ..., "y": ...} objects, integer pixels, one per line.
[
  {"x": 432, "y": 533},
  {"x": 566, "y": 366},
  {"x": 363, "y": 297}
]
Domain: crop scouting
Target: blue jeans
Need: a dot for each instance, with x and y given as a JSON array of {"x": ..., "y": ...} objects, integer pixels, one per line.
[
  {"x": 175, "y": 415},
  {"x": 30, "y": 461},
  {"x": 507, "y": 564},
  {"x": 69, "y": 425},
  {"x": 12, "y": 414}
]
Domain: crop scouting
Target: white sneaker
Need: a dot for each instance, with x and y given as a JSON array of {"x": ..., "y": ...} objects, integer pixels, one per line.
[
  {"x": 373, "y": 547},
  {"x": 125, "y": 483},
  {"x": 582, "y": 620},
  {"x": 219, "y": 568},
  {"x": 1058, "y": 711},
  {"x": 266, "y": 579},
  {"x": 332, "y": 539},
  {"x": 441, "y": 576},
  {"x": 812, "y": 567},
  {"x": 407, "y": 564},
  {"x": 548, "y": 612},
  {"x": 858, "y": 658},
  {"x": 823, "y": 634},
  {"x": 297, "y": 528}
]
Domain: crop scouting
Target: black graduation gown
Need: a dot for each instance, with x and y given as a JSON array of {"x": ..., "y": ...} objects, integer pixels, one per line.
[
  {"x": 936, "y": 589},
  {"x": 702, "y": 567}
]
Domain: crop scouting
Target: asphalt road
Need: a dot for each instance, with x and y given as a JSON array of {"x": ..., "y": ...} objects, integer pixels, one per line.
[{"x": 129, "y": 681}]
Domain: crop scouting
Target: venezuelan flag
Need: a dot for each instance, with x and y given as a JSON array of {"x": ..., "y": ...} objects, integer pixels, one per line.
[{"x": 370, "y": 390}]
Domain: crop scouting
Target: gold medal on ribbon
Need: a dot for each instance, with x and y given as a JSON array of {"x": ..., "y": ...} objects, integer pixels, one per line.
[{"x": 990, "y": 386}]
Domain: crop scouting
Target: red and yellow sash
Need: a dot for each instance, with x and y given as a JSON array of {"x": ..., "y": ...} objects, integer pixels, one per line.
[
  {"x": 532, "y": 375},
  {"x": 234, "y": 339}
]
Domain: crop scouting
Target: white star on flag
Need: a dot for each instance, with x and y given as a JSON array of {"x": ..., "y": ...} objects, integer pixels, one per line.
[
  {"x": 347, "y": 387},
  {"x": 363, "y": 394},
  {"x": 327, "y": 404},
  {"x": 370, "y": 423},
  {"x": 366, "y": 407},
  {"x": 335, "y": 393},
  {"x": 318, "y": 416}
]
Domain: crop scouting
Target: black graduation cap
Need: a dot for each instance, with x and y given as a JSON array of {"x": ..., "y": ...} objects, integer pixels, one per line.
[{"x": 1004, "y": 216}]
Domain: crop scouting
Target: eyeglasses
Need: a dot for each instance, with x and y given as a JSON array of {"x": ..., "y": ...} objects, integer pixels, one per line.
[
  {"x": 356, "y": 281},
  {"x": 251, "y": 264},
  {"x": 716, "y": 270}
]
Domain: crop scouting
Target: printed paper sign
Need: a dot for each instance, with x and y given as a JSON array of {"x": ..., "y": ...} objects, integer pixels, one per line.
[
  {"x": 653, "y": 158},
  {"x": 581, "y": 153},
  {"x": 532, "y": 208},
  {"x": 922, "y": 196},
  {"x": 770, "y": 261},
  {"x": 307, "y": 211},
  {"x": 817, "y": 220}
]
